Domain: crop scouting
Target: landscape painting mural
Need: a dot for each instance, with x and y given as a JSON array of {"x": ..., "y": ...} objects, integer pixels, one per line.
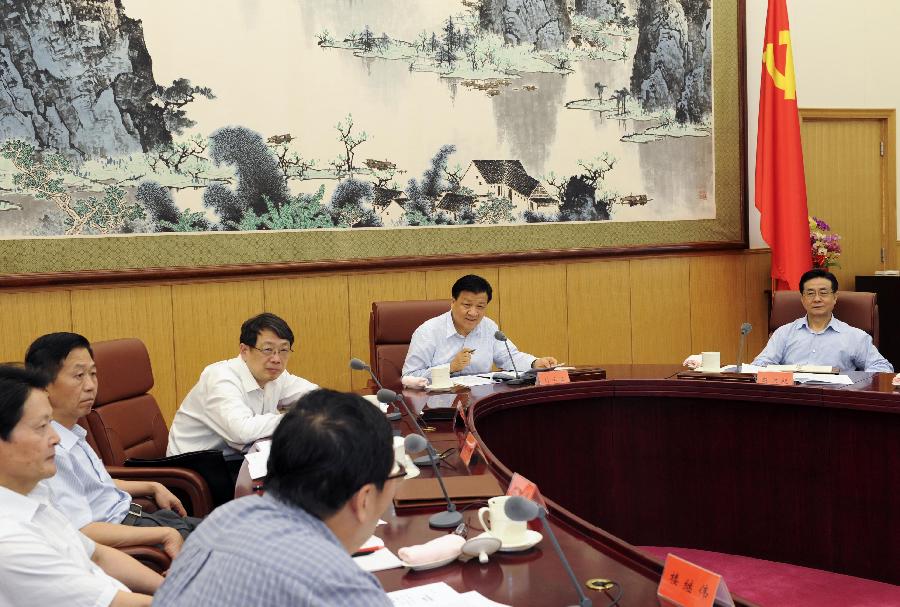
[{"x": 161, "y": 116}]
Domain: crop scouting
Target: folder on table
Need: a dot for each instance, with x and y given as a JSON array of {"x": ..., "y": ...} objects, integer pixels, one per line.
[{"x": 425, "y": 492}]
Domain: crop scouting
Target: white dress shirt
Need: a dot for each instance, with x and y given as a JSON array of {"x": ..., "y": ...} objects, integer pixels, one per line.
[
  {"x": 228, "y": 411},
  {"x": 82, "y": 488},
  {"x": 44, "y": 560},
  {"x": 436, "y": 342}
]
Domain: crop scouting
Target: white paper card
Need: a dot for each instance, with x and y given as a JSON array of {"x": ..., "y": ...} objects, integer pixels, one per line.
[
  {"x": 472, "y": 380},
  {"x": 379, "y": 560}
]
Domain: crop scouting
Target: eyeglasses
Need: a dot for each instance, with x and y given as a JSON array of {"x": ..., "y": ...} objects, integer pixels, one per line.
[
  {"x": 270, "y": 352},
  {"x": 400, "y": 472},
  {"x": 823, "y": 293}
]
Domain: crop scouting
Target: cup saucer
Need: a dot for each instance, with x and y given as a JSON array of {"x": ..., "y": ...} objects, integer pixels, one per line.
[{"x": 532, "y": 538}]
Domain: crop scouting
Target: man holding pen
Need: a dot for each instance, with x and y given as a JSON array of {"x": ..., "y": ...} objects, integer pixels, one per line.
[{"x": 464, "y": 337}]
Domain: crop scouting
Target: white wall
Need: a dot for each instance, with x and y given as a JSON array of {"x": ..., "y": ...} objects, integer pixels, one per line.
[{"x": 845, "y": 56}]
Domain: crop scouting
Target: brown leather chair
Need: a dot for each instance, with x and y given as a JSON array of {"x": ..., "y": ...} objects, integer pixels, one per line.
[
  {"x": 391, "y": 326},
  {"x": 126, "y": 423},
  {"x": 856, "y": 308}
]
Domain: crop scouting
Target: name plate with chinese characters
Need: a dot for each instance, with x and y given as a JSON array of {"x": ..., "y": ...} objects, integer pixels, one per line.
[
  {"x": 685, "y": 584},
  {"x": 775, "y": 378}
]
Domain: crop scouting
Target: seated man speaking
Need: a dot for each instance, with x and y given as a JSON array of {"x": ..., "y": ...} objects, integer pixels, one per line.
[
  {"x": 82, "y": 488},
  {"x": 330, "y": 477},
  {"x": 464, "y": 337},
  {"x": 44, "y": 560},
  {"x": 235, "y": 402},
  {"x": 819, "y": 338}
]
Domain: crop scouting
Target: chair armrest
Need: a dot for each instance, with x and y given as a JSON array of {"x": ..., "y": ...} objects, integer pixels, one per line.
[
  {"x": 151, "y": 556},
  {"x": 187, "y": 481}
]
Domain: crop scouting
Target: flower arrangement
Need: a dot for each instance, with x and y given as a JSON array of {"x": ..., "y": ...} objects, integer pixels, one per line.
[{"x": 826, "y": 248}]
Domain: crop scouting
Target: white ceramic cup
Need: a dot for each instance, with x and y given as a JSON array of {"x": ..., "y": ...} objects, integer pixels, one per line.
[
  {"x": 440, "y": 377},
  {"x": 710, "y": 362},
  {"x": 508, "y": 531}
]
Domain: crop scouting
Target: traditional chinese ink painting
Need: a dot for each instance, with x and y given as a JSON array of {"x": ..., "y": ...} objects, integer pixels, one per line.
[{"x": 124, "y": 116}]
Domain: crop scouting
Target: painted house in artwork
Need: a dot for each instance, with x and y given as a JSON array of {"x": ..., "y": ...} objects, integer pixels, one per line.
[
  {"x": 388, "y": 204},
  {"x": 508, "y": 179}
]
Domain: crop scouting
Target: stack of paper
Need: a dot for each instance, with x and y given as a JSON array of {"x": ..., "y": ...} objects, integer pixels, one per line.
[
  {"x": 376, "y": 557},
  {"x": 439, "y": 595}
]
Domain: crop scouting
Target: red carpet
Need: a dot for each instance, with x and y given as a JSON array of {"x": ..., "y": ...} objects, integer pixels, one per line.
[{"x": 772, "y": 584}]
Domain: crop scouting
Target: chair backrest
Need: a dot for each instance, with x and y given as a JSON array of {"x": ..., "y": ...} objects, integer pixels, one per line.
[
  {"x": 391, "y": 326},
  {"x": 856, "y": 308},
  {"x": 126, "y": 421}
]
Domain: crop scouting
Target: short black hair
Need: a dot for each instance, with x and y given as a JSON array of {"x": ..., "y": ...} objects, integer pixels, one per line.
[
  {"x": 326, "y": 448},
  {"x": 252, "y": 327},
  {"x": 473, "y": 284},
  {"x": 16, "y": 384},
  {"x": 47, "y": 353},
  {"x": 819, "y": 273}
]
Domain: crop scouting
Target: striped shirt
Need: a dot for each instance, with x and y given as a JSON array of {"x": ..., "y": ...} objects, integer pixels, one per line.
[
  {"x": 838, "y": 345},
  {"x": 82, "y": 488},
  {"x": 436, "y": 342},
  {"x": 260, "y": 551}
]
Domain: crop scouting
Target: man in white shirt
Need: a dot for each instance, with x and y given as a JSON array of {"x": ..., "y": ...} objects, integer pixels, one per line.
[
  {"x": 44, "y": 560},
  {"x": 236, "y": 401},
  {"x": 464, "y": 337}
]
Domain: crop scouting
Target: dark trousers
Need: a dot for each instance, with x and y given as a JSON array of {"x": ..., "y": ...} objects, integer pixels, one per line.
[{"x": 164, "y": 518}]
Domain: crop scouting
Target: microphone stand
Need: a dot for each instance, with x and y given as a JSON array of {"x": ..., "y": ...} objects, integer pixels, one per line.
[
  {"x": 501, "y": 336},
  {"x": 745, "y": 328},
  {"x": 389, "y": 396},
  {"x": 358, "y": 365},
  {"x": 450, "y": 517},
  {"x": 520, "y": 509}
]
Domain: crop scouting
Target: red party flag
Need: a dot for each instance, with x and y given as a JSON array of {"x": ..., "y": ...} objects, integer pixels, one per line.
[{"x": 780, "y": 181}]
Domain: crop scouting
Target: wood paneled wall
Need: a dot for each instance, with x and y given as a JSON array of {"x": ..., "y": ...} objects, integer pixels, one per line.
[{"x": 621, "y": 310}]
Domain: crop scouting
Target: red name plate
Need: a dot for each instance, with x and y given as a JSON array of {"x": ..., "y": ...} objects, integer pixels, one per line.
[
  {"x": 519, "y": 485},
  {"x": 468, "y": 449},
  {"x": 687, "y": 585},
  {"x": 775, "y": 378},
  {"x": 550, "y": 378}
]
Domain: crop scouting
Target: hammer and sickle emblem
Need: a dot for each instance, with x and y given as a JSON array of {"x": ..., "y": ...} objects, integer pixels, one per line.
[{"x": 784, "y": 81}]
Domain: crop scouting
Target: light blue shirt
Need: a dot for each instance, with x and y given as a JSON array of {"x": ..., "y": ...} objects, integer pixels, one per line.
[
  {"x": 260, "y": 551},
  {"x": 436, "y": 342},
  {"x": 838, "y": 345},
  {"x": 82, "y": 489}
]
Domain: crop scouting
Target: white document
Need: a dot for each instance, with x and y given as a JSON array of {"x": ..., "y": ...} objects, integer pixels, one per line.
[
  {"x": 823, "y": 378},
  {"x": 429, "y": 594},
  {"x": 472, "y": 380},
  {"x": 440, "y": 595},
  {"x": 801, "y": 368},
  {"x": 745, "y": 368},
  {"x": 258, "y": 460},
  {"x": 379, "y": 560}
]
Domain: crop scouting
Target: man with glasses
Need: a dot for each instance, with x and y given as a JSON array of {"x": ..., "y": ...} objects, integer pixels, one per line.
[
  {"x": 331, "y": 475},
  {"x": 819, "y": 338},
  {"x": 236, "y": 401}
]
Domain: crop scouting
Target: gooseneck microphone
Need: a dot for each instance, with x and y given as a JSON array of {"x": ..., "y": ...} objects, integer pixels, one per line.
[
  {"x": 451, "y": 517},
  {"x": 518, "y": 508},
  {"x": 501, "y": 336},
  {"x": 358, "y": 365},
  {"x": 387, "y": 397},
  {"x": 745, "y": 328}
]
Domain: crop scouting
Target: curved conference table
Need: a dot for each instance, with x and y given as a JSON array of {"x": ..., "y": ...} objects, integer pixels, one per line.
[{"x": 803, "y": 475}]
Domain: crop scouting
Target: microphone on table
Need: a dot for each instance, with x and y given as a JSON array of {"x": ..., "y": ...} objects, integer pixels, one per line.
[
  {"x": 358, "y": 365},
  {"x": 451, "y": 517},
  {"x": 518, "y": 508},
  {"x": 745, "y": 328},
  {"x": 387, "y": 397},
  {"x": 501, "y": 336}
]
